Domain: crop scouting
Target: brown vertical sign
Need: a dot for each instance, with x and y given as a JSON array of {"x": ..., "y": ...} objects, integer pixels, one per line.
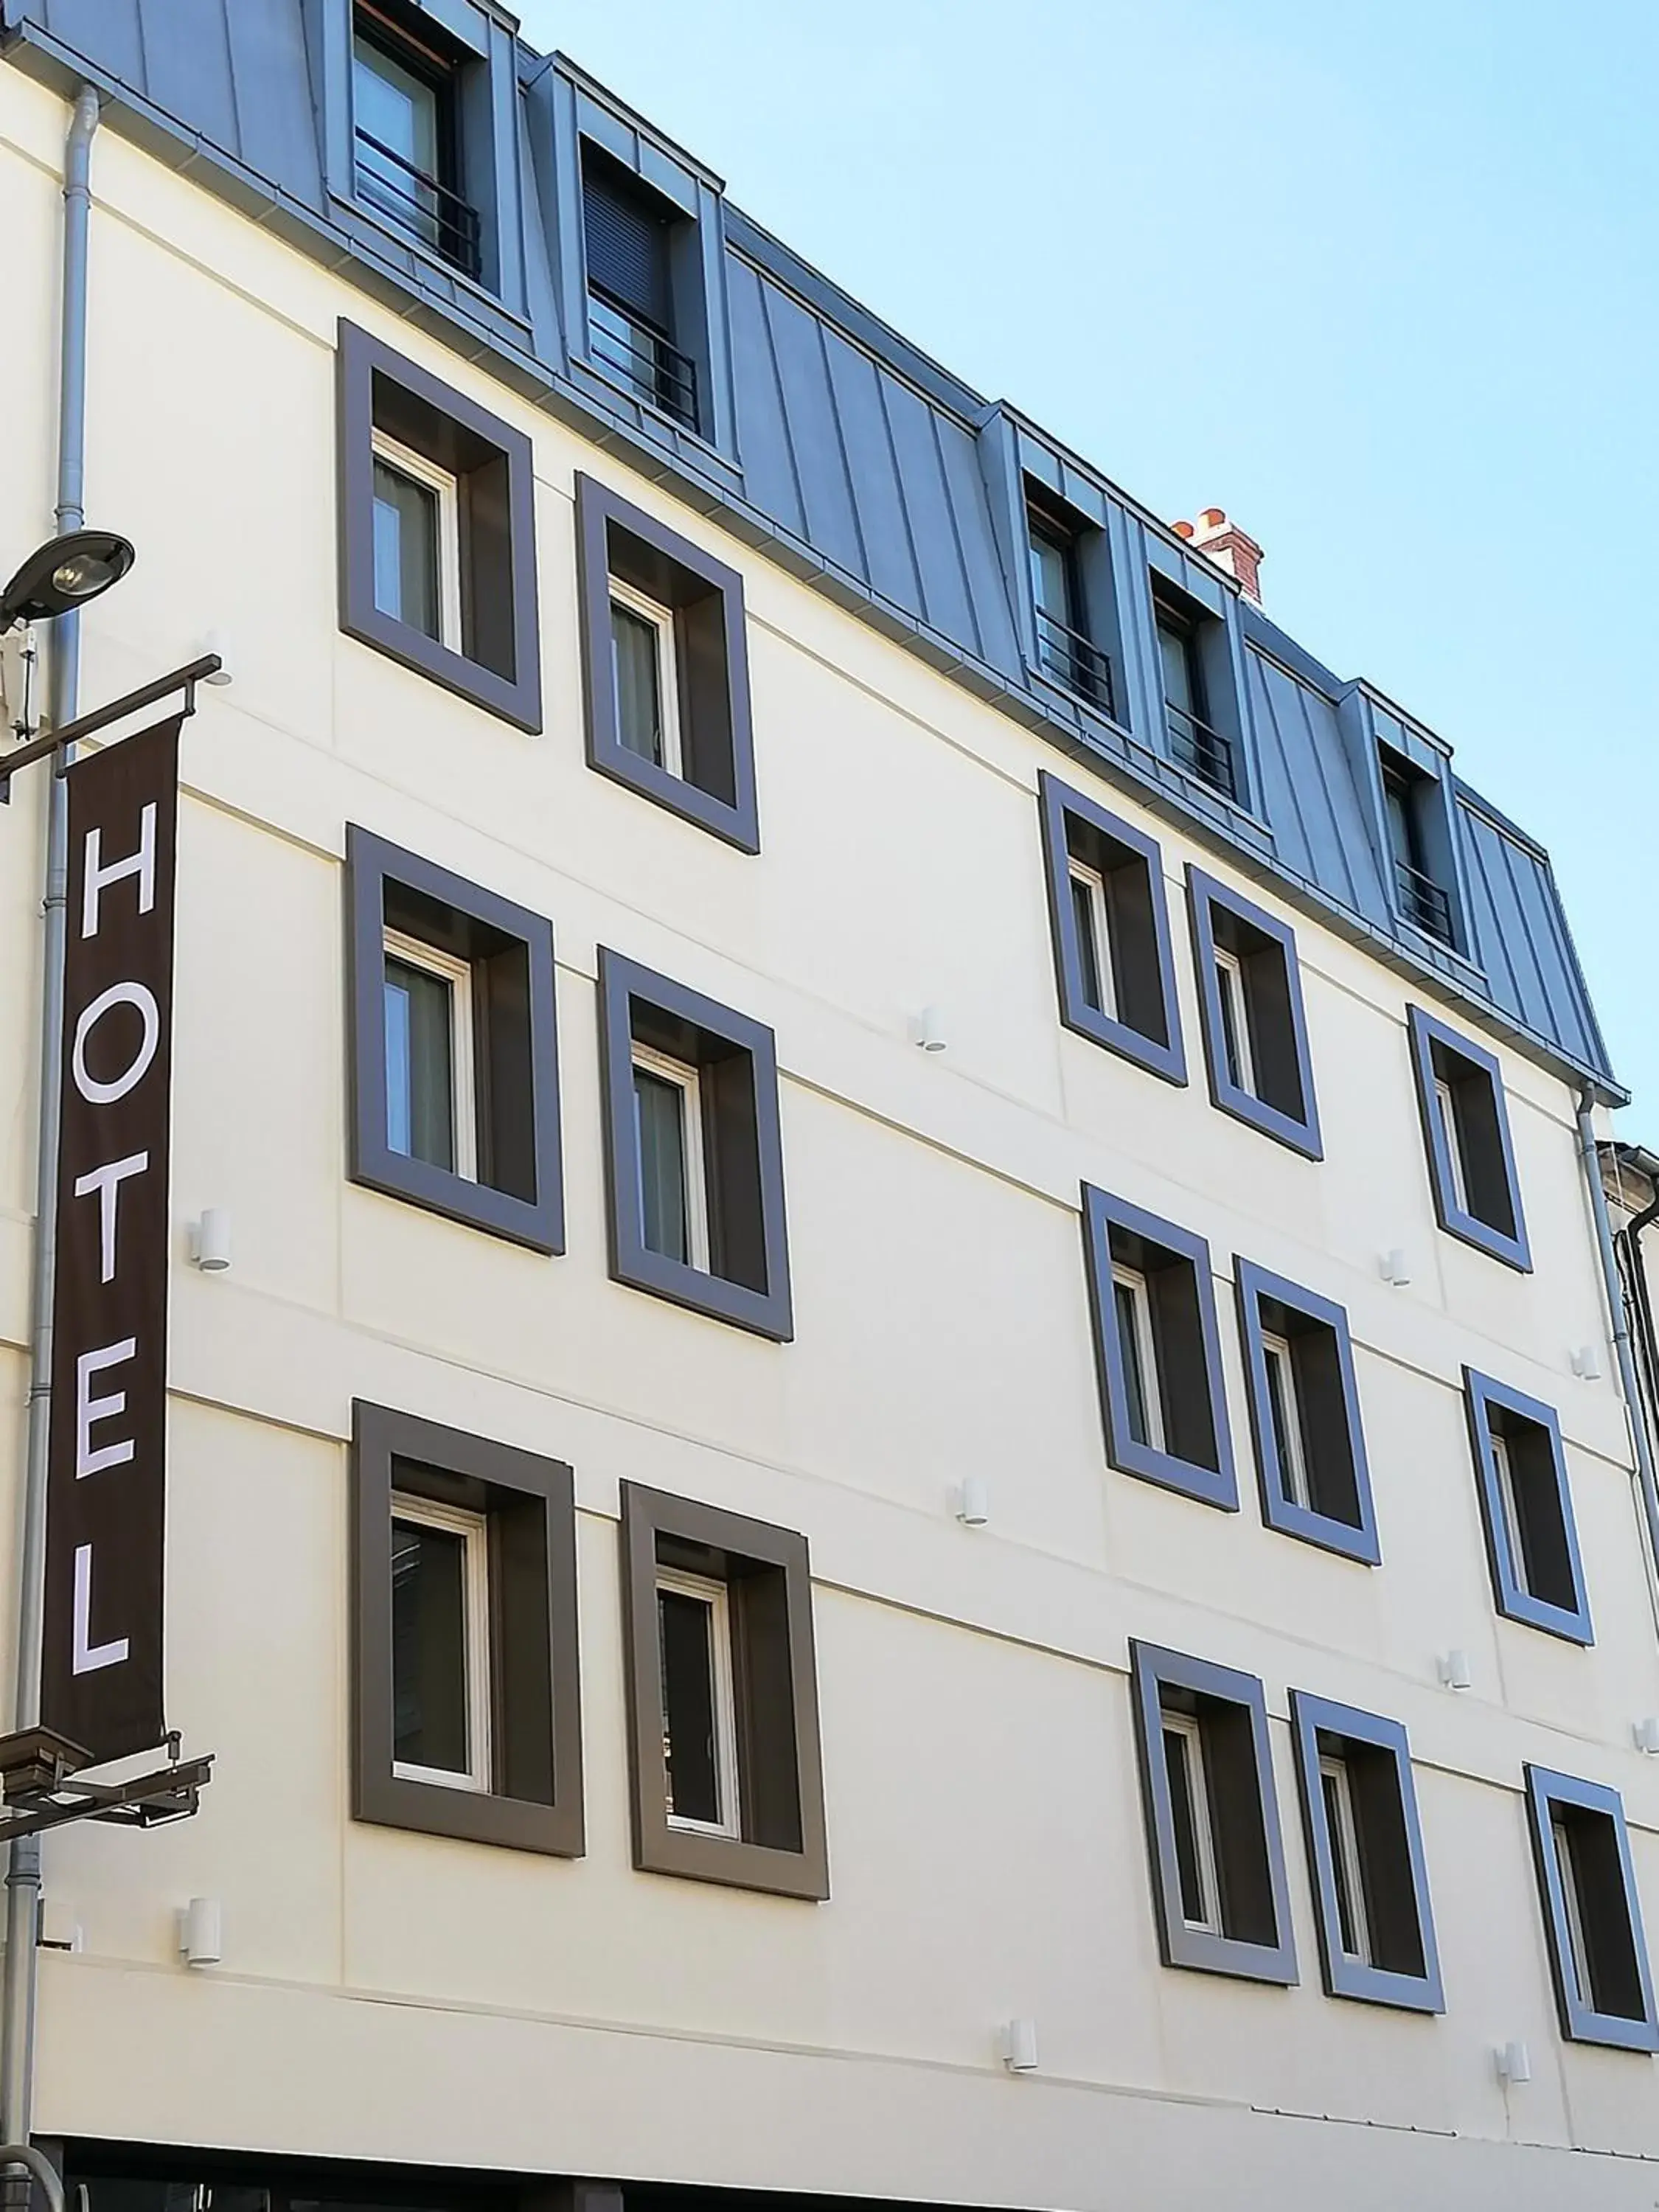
[{"x": 105, "y": 1495}]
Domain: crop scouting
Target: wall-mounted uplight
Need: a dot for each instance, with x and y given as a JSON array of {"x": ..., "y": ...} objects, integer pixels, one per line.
[
  {"x": 1513, "y": 2062},
  {"x": 1393, "y": 1266},
  {"x": 209, "y": 1241},
  {"x": 973, "y": 1501},
  {"x": 1453, "y": 1669},
  {"x": 201, "y": 1932},
  {"x": 1645, "y": 1734},
  {"x": 64, "y": 573},
  {"x": 1587, "y": 1364},
  {"x": 1018, "y": 2046},
  {"x": 928, "y": 1030},
  {"x": 220, "y": 645}
]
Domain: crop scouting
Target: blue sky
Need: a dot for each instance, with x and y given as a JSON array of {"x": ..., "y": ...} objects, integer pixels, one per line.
[{"x": 1381, "y": 278}]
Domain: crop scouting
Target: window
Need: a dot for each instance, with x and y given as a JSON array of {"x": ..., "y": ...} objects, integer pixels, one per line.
[
  {"x": 1592, "y": 1915},
  {"x": 1256, "y": 1030},
  {"x": 629, "y": 239},
  {"x": 1065, "y": 648},
  {"x": 1111, "y": 932},
  {"x": 406, "y": 134},
  {"x": 1217, "y": 1859},
  {"x": 725, "y": 1769},
  {"x": 466, "y": 1706},
  {"x": 1158, "y": 1350},
  {"x": 418, "y": 542},
  {"x": 1532, "y": 1544},
  {"x": 695, "y": 1151},
  {"x": 439, "y": 1644},
  {"x": 1195, "y": 740},
  {"x": 666, "y": 668},
  {"x": 1466, "y": 1129},
  {"x": 437, "y": 544},
  {"x": 1366, "y": 1854},
  {"x": 1410, "y": 805},
  {"x": 1304, "y": 1413},
  {"x": 454, "y": 1065}
]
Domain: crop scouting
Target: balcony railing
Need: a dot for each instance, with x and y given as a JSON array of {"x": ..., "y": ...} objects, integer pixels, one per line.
[
  {"x": 1206, "y": 752},
  {"x": 416, "y": 202},
  {"x": 1074, "y": 661},
  {"x": 1423, "y": 901},
  {"x": 643, "y": 359}
]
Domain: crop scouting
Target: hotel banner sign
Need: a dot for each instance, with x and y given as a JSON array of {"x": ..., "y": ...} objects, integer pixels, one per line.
[{"x": 106, "y": 1492}]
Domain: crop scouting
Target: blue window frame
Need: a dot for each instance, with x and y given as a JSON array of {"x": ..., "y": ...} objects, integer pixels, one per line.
[
  {"x": 1217, "y": 1854},
  {"x": 1304, "y": 1415},
  {"x": 1466, "y": 1132},
  {"x": 1592, "y": 1914},
  {"x": 1114, "y": 961},
  {"x": 1158, "y": 1351},
  {"x": 1255, "y": 1032},
  {"x": 1526, "y": 1506},
  {"x": 1371, "y": 1880}
]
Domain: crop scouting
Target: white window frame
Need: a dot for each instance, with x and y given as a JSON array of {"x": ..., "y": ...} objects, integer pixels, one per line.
[
  {"x": 473, "y": 1529},
  {"x": 1100, "y": 929},
  {"x": 1344, "y": 1836},
  {"x": 1504, "y": 1467},
  {"x": 714, "y": 1594},
  {"x": 1578, "y": 1951},
  {"x": 1145, "y": 1347},
  {"x": 661, "y": 619},
  {"x": 419, "y": 470},
  {"x": 1187, "y": 1726},
  {"x": 457, "y": 974},
  {"x": 1235, "y": 999},
  {"x": 1277, "y": 1353},
  {"x": 688, "y": 1081},
  {"x": 1443, "y": 1093}
]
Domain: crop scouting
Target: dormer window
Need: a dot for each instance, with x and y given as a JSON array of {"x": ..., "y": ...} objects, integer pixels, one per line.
[
  {"x": 1065, "y": 649},
  {"x": 406, "y": 135},
  {"x": 1194, "y": 741},
  {"x": 1407, "y": 796},
  {"x": 628, "y": 234}
]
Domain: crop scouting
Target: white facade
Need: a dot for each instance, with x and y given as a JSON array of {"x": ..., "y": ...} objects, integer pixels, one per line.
[{"x": 391, "y": 1996}]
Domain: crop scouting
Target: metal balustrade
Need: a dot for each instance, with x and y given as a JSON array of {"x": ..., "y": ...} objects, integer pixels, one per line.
[
  {"x": 1423, "y": 901},
  {"x": 643, "y": 359},
  {"x": 1074, "y": 661},
  {"x": 1206, "y": 752},
  {"x": 437, "y": 216}
]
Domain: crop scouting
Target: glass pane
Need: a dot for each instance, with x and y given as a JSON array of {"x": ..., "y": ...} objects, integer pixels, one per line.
[
  {"x": 1088, "y": 945},
  {"x": 1233, "y": 1032},
  {"x": 1050, "y": 582},
  {"x": 637, "y": 662},
  {"x": 1128, "y": 1338},
  {"x": 685, "y": 1626},
  {"x": 1286, "y": 1431},
  {"x": 1344, "y": 1873},
  {"x": 428, "y": 1647},
  {"x": 1175, "y": 649},
  {"x": 406, "y": 549},
  {"x": 398, "y": 111},
  {"x": 1182, "y": 1782},
  {"x": 420, "y": 1065},
  {"x": 660, "y": 1117},
  {"x": 1401, "y": 828}
]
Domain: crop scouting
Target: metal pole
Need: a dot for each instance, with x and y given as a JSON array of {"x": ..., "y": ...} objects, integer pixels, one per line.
[
  {"x": 23, "y": 1877},
  {"x": 1628, "y": 1385}
]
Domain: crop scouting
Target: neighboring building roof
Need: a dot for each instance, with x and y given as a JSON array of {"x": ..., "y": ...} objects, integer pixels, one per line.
[{"x": 859, "y": 462}]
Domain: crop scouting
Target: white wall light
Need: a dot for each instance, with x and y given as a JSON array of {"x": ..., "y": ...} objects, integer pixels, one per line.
[
  {"x": 219, "y": 641},
  {"x": 973, "y": 1501},
  {"x": 1393, "y": 1266},
  {"x": 1453, "y": 1668},
  {"x": 1646, "y": 1732},
  {"x": 201, "y": 1932},
  {"x": 928, "y": 1030},
  {"x": 1587, "y": 1364},
  {"x": 59, "y": 1929},
  {"x": 209, "y": 1239},
  {"x": 1018, "y": 2044},
  {"x": 1513, "y": 2062}
]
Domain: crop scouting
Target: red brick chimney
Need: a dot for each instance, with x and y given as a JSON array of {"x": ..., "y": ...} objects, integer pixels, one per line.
[{"x": 1228, "y": 546}]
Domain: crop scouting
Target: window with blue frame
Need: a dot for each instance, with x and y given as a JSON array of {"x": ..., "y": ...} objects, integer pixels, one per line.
[
  {"x": 1255, "y": 1029},
  {"x": 1466, "y": 1129},
  {"x": 1305, "y": 1415},
  {"x": 1158, "y": 1350},
  {"x": 1186, "y": 655},
  {"x": 1592, "y": 1914},
  {"x": 1411, "y": 804},
  {"x": 1067, "y": 649},
  {"x": 1526, "y": 1503}
]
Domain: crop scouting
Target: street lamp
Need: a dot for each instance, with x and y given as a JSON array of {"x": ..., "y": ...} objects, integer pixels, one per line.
[{"x": 64, "y": 573}]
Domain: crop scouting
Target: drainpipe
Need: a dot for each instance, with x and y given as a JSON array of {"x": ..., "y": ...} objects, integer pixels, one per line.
[
  {"x": 23, "y": 1878},
  {"x": 1621, "y": 1343}
]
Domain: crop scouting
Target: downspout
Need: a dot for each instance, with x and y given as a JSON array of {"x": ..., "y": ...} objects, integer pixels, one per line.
[
  {"x": 17, "y": 1990},
  {"x": 1621, "y": 1343}
]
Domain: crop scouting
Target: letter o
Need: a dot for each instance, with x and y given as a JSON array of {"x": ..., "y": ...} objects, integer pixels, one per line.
[{"x": 119, "y": 994}]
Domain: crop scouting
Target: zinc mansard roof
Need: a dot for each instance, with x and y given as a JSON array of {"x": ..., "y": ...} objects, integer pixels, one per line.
[{"x": 850, "y": 456}]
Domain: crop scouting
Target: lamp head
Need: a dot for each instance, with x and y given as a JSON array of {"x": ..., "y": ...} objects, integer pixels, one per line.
[{"x": 64, "y": 573}]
